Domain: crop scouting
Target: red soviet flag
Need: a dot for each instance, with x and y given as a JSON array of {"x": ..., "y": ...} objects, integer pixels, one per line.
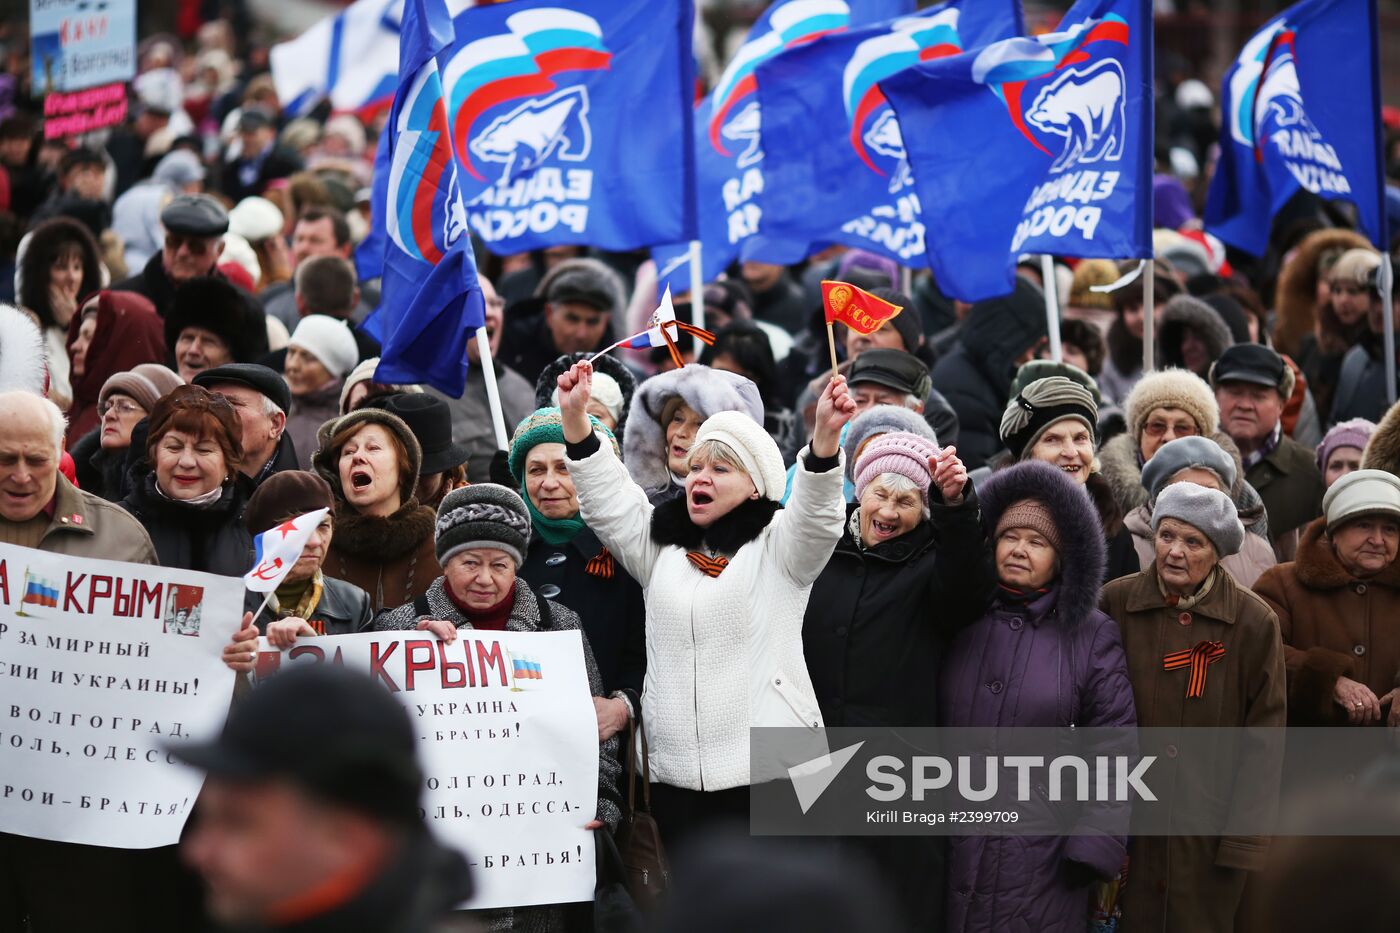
[{"x": 859, "y": 310}]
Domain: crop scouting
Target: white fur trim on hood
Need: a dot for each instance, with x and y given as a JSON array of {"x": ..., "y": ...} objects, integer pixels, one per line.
[
  {"x": 21, "y": 353},
  {"x": 706, "y": 390}
]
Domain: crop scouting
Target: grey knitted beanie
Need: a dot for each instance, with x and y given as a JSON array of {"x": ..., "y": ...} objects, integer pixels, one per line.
[
  {"x": 882, "y": 419},
  {"x": 483, "y": 515}
]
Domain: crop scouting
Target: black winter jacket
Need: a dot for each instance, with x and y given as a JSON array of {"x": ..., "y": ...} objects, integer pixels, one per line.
[
  {"x": 878, "y": 618},
  {"x": 610, "y": 609},
  {"x": 208, "y": 538}
]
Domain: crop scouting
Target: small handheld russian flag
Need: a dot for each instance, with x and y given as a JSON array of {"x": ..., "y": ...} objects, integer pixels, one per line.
[
  {"x": 662, "y": 331},
  {"x": 276, "y": 551}
]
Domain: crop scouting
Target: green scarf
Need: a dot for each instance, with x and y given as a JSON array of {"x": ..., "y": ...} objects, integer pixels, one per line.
[
  {"x": 544, "y": 427},
  {"x": 553, "y": 530}
]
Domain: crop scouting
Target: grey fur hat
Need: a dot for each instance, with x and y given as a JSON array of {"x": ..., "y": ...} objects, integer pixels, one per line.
[
  {"x": 708, "y": 391},
  {"x": 1209, "y": 511},
  {"x": 482, "y": 515},
  {"x": 1183, "y": 454},
  {"x": 584, "y": 281},
  {"x": 21, "y": 352},
  {"x": 882, "y": 419}
]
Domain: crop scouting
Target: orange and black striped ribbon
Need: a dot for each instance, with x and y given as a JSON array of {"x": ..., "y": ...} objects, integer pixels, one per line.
[
  {"x": 602, "y": 565},
  {"x": 1198, "y": 658},
  {"x": 699, "y": 333},
  {"x": 709, "y": 566}
]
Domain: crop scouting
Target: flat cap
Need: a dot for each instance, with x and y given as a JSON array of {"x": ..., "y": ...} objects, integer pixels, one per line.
[
  {"x": 1251, "y": 362},
  {"x": 258, "y": 378},
  {"x": 195, "y": 215},
  {"x": 894, "y": 369}
]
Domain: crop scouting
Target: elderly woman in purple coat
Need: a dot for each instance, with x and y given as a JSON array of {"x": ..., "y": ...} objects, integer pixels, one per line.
[{"x": 1042, "y": 655}]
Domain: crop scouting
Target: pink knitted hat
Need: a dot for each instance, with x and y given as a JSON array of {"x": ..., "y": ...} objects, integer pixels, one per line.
[{"x": 897, "y": 452}]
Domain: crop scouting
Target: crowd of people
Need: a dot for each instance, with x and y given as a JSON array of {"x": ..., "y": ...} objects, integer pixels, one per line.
[{"x": 951, "y": 529}]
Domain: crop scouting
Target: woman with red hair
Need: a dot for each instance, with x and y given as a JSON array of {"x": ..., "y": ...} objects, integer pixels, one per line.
[{"x": 185, "y": 491}]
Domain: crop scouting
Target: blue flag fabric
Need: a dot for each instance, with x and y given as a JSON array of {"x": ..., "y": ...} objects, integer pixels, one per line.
[
  {"x": 1301, "y": 112},
  {"x": 834, "y": 167},
  {"x": 431, "y": 301},
  {"x": 729, "y": 158},
  {"x": 1033, "y": 145},
  {"x": 572, "y": 124}
]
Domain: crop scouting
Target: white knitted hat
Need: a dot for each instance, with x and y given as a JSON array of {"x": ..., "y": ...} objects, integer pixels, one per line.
[
  {"x": 254, "y": 219},
  {"x": 330, "y": 341},
  {"x": 1362, "y": 492},
  {"x": 755, "y": 449},
  {"x": 606, "y": 392}
]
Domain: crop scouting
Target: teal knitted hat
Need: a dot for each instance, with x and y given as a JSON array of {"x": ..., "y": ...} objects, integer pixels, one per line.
[{"x": 544, "y": 426}]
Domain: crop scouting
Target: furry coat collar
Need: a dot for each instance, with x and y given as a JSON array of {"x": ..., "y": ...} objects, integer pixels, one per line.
[
  {"x": 1083, "y": 556},
  {"x": 389, "y": 538},
  {"x": 1383, "y": 450},
  {"x": 1318, "y": 567},
  {"x": 671, "y": 525}
]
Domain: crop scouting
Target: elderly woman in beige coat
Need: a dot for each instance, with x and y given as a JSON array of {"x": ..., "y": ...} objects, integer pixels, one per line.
[{"x": 1203, "y": 652}]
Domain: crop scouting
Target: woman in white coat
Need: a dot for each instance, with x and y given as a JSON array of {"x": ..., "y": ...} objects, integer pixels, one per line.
[{"x": 726, "y": 571}]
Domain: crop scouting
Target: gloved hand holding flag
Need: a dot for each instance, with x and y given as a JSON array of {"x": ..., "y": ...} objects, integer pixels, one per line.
[{"x": 276, "y": 551}]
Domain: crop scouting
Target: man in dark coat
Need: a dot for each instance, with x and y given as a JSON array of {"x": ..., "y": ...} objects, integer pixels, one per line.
[
  {"x": 975, "y": 376},
  {"x": 195, "y": 225},
  {"x": 309, "y": 819},
  {"x": 260, "y": 398},
  {"x": 260, "y": 159},
  {"x": 572, "y": 312},
  {"x": 1252, "y": 384}
]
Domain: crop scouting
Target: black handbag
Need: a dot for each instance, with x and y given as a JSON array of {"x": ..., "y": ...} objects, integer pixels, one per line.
[{"x": 648, "y": 873}]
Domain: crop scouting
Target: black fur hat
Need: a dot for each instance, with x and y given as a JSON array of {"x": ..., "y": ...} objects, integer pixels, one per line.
[{"x": 220, "y": 307}]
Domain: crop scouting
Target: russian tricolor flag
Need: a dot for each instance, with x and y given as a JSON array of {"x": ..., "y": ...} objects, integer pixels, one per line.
[{"x": 40, "y": 592}]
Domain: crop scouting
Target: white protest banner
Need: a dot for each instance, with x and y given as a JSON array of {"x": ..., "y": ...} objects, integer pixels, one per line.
[
  {"x": 102, "y": 663},
  {"x": 508, "y": 742}
]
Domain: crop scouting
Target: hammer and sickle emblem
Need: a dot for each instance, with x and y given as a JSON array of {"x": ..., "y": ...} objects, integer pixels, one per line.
[{"x": 266, "y": 570}]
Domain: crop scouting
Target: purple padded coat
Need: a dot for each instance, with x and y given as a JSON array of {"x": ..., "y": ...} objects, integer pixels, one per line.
[{"x": 1054, "y": 661}]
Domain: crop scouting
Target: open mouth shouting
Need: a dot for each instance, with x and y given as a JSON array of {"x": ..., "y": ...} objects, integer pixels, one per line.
[
  {"x": 699, "y": 498},
  {"x": 361, "y": 479}
]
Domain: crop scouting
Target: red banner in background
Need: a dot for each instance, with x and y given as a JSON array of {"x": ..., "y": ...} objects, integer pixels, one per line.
[{"x": 78, "y": 112}]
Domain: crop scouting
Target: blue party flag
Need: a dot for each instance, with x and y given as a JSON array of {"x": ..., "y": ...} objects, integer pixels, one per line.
[
  {"x": 431, "y": 301},
  {"x": 1301, "y": 110},
  {"x": 729, "y": 157},
  {"x": 1033, "y": 145},
  {"x": 572, "y": 122},
  {"x": 833, "y": 157}
]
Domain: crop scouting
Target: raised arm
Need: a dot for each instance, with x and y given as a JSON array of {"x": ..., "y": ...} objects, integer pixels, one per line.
[
  {"x": 611, "y": 504},
  {"x": 806, "y": 531}
]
